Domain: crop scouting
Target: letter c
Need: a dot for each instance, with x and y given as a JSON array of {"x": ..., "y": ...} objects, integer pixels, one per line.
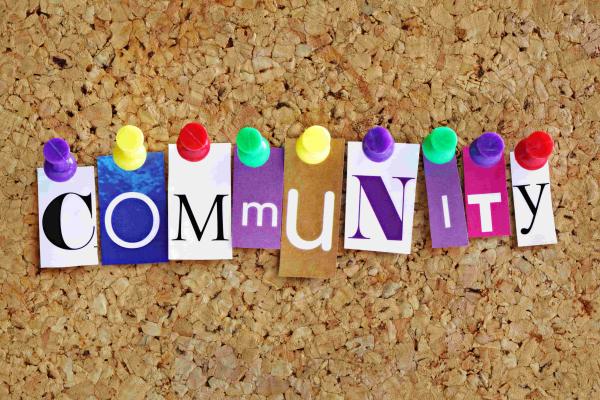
[{"x": 51, "y": 221}]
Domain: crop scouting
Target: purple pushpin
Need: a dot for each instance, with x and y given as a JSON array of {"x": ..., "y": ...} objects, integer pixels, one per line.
[
  {"x": 487, "y": 149},
  {"x": 59, "y": 164},
  {"x": 378, "y": 144}
]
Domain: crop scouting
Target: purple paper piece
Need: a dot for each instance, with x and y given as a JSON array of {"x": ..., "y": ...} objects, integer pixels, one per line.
[
  {"x": 447, "y": 220},
  {"x": 257, "y": 193}
]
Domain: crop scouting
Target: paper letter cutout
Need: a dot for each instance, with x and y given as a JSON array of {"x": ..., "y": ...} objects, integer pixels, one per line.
[
  {"x": 484, "y": 202},
  {"x": 380, "y": 198},
  {"x": 257, "y": 203},
  {"x": 324, "y": 239},
  {"x": 133, "y": 212},
  {"x": 67, "y": 220},
  {"x": 446, "y": 211},
  {"x": 260, "y": 208},
  {"x": 200, "y": 205},
  {"x": 184, "y": 204},
  {"x": 534, "y": 217},
  {"x": 447, "y": 222},
  {"x": 311, "y": 184},
  {"x": 108, "y": 217},
  {"x": 479, "y": 183}
]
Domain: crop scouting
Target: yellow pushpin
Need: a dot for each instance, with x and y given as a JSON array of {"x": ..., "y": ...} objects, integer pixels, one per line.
[
  {"x": 129, "y": 152},
  {"x": 313, "y": 145}
]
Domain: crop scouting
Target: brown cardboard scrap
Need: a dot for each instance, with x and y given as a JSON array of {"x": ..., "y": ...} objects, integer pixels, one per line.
[{"x": 311, "y": 183}]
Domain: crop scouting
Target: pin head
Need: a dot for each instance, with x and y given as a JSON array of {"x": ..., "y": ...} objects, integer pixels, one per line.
[
  {"x": 193, "y": 143},
  {"x": 313, "y": 145},
  {"x": 59, "y": 164},
  {"x": 487, "y": 149},
  {"x": 253, "y": 149},
  {"x": 378, "y": 144},
  {"x": 533, "y": 152},
  {"x": 439, "y": 146},
  {"x": 129, "y": 152}
]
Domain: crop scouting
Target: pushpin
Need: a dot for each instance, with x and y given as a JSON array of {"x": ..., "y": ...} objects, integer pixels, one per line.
[
  {"x": 533, "y": 152},
  {"x": 59, "y": 164},
  {"x": 313, "y": 145},
  {"x": 193, "y": 142},
  {"x": 378, "y": 144},
  {"x": 440, "y": 145},
  {"x": 129, "y": 152},
  {"x": 253, "y": 149},
  {"x": 487, "y": 149}
]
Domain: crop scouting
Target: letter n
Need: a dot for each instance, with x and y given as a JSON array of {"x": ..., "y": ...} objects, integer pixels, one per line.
[{"x": 382, "y": 205}]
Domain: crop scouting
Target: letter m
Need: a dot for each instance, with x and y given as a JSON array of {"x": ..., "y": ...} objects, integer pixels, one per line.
[
  {"x": 259, "y": 213},
  {"x": 185, "y": 205}
]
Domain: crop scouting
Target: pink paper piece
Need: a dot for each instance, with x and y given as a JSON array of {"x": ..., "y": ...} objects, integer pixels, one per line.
[{"x": 486, "y": 198}]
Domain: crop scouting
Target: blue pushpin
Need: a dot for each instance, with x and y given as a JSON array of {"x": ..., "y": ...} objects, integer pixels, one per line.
[
  {"x": 59, "y": 164},
  {"x": 378, "y": 144},
  {"x": 487, "y": 149}
]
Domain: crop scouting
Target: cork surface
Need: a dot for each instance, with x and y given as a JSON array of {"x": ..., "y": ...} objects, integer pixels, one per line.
[{"x": 487, "y": 321}]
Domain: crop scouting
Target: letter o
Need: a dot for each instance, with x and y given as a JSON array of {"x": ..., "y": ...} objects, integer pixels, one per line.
[{"x": 108, "y": 220}]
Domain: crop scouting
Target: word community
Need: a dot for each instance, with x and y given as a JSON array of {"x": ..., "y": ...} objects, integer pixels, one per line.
[{"x": 287, "y": 199}]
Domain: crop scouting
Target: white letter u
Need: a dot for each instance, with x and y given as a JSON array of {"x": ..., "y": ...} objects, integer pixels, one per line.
[{"x": 291, "y": 230}]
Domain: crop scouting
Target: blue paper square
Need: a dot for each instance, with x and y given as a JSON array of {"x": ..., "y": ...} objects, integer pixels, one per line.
[{"x": 136, "y": 201}]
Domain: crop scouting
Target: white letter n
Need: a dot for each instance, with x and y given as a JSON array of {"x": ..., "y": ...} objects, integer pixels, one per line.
[{"x": 291, "y": 219}]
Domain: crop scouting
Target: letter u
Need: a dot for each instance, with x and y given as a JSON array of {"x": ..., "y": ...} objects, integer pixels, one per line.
[{"x": 325, "y": 238}]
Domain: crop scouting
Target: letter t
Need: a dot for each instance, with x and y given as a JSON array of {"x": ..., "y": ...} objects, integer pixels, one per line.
[{"x": 485, "y": 210}]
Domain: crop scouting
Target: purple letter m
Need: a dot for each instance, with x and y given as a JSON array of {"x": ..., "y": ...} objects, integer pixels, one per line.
[{"x": 382, "y": 205}]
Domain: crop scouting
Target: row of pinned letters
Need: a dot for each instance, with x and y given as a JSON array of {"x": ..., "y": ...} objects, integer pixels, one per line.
[{"x": 291, "y": 205}]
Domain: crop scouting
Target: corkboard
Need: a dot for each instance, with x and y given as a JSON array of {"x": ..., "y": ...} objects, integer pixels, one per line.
[{"x": 490, "y": 320}]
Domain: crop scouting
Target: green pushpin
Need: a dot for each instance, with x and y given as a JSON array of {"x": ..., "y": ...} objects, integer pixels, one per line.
[
  {"x": 253, "y": 149},
  {"x": 440, "y": 145}
]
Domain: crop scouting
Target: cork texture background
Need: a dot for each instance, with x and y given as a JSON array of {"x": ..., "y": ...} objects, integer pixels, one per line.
[{"x": 489, "y": 321}]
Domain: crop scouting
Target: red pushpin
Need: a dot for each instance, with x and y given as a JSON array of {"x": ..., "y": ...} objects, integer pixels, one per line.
[
  {"x": 533, "y": 152},
  {"x": 193, "y": 142}
]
